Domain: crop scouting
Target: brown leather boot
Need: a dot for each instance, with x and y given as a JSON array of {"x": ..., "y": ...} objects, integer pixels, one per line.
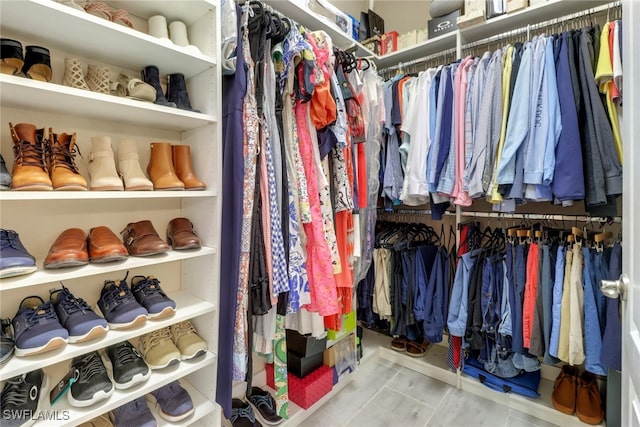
[
  {"x": 64, "y": 172},
  {"x": 588, "y": 401},
  {"x": 29, "y": 167},
  {"x": 184, "y": 168},
  {"x": 160, "y": 168},
  {"x": 564, "y": 390}
]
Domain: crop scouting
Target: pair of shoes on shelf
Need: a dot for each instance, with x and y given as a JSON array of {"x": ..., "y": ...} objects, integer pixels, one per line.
[
  {"x": 41, "y": 326},
  {"x": 175, "y": 32},
  {"x": 176, "y": 96},
  {"x": 21, "y": 398},
  {"x": 579, "y": 394},
  {"x": 73, "y": 248},
  {"x": 261, "y": 405},
  {"x": 168, "y": 346},
  {"x": 125, "y": 307},
  {"x": 42, "y": 164},
  {"x": 102, "y": 10},
  {"x": 97, "y": 78},
  {"x": 35, "y": 64},
  {"x": 170, "y": 168},
  {"x": 102, "y": 166},
  {"x": 15, "y": 260},
  {"x": 173, "y": 400}
]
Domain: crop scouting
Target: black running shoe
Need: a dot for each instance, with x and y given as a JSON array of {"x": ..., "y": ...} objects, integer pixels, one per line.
[
  {"x": 92, "y": 382},
  {"x": 21, "y": 397},
  {"x": 128, "y": 366}
]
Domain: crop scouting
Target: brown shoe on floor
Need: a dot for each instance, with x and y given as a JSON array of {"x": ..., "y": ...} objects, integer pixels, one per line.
[
  {"x": 564, "y": 390},
  {"x": 180, "y": 234},
  {"x": 105, "y": 246},
  {"x": 69, "y": 250},
  {"x": 588, "y": 402},
  {"x": 141, "y": 239}
]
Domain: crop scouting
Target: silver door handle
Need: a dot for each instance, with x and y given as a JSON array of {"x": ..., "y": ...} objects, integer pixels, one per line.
[{"x": 615, "y": 288}]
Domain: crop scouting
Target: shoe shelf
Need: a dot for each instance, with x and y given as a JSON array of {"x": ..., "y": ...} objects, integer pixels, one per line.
[
  {"x": 188, "y": 307},
  {"x": 157, "y": 379},
  {"x": 42, "y": 276},
  {"x": 96, "y": 195},
  {"x": 64, "y": 26},
  {"x": 203, "y": 408},
  {"x": 33, "y": 95}
]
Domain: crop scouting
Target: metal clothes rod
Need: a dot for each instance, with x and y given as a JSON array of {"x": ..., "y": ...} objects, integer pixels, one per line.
[
  {"x": 500, "y": 215},
  {"x": 418, "y": 60},
  {"x": 548, "y": 23}
]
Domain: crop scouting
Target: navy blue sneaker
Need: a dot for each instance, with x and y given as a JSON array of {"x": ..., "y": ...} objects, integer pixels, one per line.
[
  {"x": 174, "y": 401},
  {"x": 21, "y": 397},
  {"x": 15, "y": 260},
  {"x": 148, "y": 293},
  {"x": 6, "y": 340},
  {"x": 135, "y": 413},
  {"x": 77, "y": 317},
  {"x": 119, "y": 306},
  {"x": 37, "y": 328},
  {"x": 92, "y": 382}
]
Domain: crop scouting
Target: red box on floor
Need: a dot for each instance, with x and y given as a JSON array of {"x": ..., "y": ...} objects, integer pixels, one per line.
[{"x": 308, "y": 390}]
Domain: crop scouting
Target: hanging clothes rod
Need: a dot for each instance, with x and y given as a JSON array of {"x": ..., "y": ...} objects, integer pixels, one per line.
[
  {"x": 500, "y": 215},
  {"x": 548, "y": 23},
  {"x": 416, "y": 61}
]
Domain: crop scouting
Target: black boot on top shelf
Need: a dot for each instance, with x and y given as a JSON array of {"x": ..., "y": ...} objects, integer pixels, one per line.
[
  {"x": 151, "y": 75},
  {"x": 177, "y": 92}
]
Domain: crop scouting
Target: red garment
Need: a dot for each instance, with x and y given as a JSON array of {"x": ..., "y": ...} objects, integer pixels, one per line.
[
  {"x": 615, "y": 93},
  {"x": 530, "y": 289},
  {"x": 456, "y": 342}
]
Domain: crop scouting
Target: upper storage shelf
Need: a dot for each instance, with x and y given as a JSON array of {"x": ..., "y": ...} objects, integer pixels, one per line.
[{"x": 66, "y": 28}]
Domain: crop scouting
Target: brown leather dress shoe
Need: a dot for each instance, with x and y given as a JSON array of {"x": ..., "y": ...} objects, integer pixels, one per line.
[
  {"x": 141, "y": 239},
  {"x": 180, "y": 234},
  {"x": 69, "y": 250},
  {"x": 105, "y": 246}
]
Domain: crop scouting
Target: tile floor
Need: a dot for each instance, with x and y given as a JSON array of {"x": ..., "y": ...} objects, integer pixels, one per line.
[{"x": 385, "y": 394}]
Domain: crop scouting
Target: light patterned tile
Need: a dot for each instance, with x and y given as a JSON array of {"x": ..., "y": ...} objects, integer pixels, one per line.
[
  {"x": 520, "y": 419},
  {"x": 369, "y": 380},
  {"x": 390, "y": 408},
  {"x": 460, "y": 408},
  {"x": 421, "y": 387},
  {"x": 320, "y": 418}
]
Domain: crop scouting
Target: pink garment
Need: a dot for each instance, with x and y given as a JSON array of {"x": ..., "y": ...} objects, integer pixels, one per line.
[
  {"x": 322, "y": 284},
  {"x": 530, "y": 290},
  {"x": 460, "y": 91}
]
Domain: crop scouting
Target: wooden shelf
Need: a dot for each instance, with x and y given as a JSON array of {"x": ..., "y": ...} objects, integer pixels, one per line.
[
  {"x": 187, "y": 307},
  {"x": 64, "y": 27},
  {"x": 42, "y": 276},
  {"x": 20, "y": 92},
  {"x": 158, "y": 378},
  {"x": 6, "y": 196}
]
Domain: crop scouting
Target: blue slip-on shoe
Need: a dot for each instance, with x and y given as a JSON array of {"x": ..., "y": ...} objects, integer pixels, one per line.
[
  {"x": 135, "y": 413},
  {"x": 7, "y": 343},
  {"x": 15, "y": 260},
  {"x": 37, "y": 328},
  {"x": 119, "y": 306},
  {"x": 77, "y": 317},
  {"x": 5, "y": 176},
  {"x": 21, "y": 397},
  {"x": 174, "y": 401},
  {"x": 150, "y": 295}
]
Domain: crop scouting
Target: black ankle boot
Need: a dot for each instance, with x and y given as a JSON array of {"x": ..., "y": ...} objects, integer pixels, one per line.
[
  {"x": 177, "y": 92},
  {"x": 151, "y": 75}
]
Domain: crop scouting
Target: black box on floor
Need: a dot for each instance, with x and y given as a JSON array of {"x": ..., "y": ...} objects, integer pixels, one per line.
[
  {"x": 305, "y": 345},
  {"x": 444, "y": 24},
  {"x": 303, "y": 366}
]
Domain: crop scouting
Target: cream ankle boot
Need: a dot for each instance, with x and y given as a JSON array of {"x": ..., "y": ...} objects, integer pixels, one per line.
[
  {"x": 129, "y": 166},
  {"x": 102, "y": 166}
]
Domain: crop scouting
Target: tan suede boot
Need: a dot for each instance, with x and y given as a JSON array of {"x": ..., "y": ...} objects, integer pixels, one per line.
[
  {"x": 64, "y": 172},
  {"x": 184, "y": 168},
  {"x": 30, "y": 170},
  {"x": 160, "y": 168},
  {"x": 102, "y": 166}
]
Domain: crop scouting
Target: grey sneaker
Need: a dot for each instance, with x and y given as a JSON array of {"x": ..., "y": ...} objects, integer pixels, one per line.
[
  {"x": 174, "y": 401},
  {"x": 5, "y": 176},
  {"x": 134, "y": 413},
  {"x": 6, "y": 340},
  {"x": 21, "y": 397}
]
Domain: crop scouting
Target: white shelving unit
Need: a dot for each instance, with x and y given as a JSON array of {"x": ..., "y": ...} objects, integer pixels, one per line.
[{"x": 191, "y": 278}]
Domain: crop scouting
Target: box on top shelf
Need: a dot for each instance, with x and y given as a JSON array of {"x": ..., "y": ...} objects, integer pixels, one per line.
[
  {"x": 473, "y": 13},
  {"x": 349, "y": 323},
  {"x": 443, "y": 25},
  {"x": 304, "y": 345},
  {"x": 408, "y": 39},
  {"x": 389, "y": 42}
]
